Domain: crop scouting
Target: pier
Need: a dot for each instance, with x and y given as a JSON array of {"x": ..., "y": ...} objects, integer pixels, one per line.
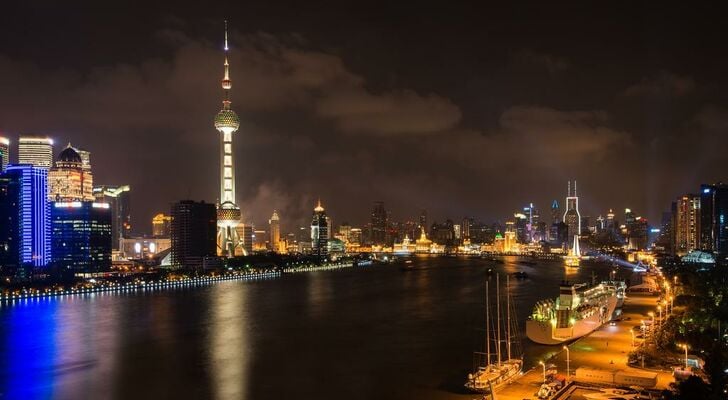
[{"x": 607, "y": 348}]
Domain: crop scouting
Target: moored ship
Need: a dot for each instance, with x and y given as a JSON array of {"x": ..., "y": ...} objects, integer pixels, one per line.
[
  {"x": 578, "y": 311},
  {"x": 494, "y": 373}
]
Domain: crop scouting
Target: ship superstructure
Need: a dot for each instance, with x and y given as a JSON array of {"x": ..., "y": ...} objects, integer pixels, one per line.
[{"x": 579, "y": 310}]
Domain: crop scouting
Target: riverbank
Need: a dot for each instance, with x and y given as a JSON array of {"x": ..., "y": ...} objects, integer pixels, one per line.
[
  {"x": 105, "y": 287},
  {"x": 607, "y": 348}
]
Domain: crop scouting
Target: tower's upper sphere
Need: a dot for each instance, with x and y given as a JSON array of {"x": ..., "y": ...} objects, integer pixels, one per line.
[{"x": 227, "y": 119}]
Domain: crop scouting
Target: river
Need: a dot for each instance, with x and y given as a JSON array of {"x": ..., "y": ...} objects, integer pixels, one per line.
[{"x": 356, "y": 333}]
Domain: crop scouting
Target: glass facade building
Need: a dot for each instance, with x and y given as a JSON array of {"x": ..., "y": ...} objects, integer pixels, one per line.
[
  {"x": 31, "y": 211},
  {"x": 81, "y": 236},
  {"x": 118, "y": 198}
]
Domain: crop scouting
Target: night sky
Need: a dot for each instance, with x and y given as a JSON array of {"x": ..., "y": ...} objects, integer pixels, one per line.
[{"x": 462, "y": 110}]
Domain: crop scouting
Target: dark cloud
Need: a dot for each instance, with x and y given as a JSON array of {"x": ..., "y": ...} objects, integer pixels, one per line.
[
  {"x": 663, "y": 84},
  {"x": 418, "y": 107},
  {"x": 549, "y": 62}
]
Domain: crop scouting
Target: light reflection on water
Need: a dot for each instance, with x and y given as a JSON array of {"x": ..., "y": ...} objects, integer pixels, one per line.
[{"x": 366, "y": 333}]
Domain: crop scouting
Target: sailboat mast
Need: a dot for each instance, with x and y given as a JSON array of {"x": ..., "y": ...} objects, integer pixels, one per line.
[
  {"x": 497, "y": 305},
  {"x": 508, "y": 315},
  {"x": 487, "y": 322}
]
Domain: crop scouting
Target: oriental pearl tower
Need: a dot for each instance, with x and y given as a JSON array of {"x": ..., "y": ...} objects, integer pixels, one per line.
[{"x": 228, "y": 213}]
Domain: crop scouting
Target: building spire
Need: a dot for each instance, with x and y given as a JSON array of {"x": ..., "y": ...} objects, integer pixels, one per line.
[{"x": 226, "y": 83}]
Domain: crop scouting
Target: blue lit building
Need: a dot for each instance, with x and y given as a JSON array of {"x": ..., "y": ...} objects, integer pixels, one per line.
[
  {"x": 81, "y": 236},
  {"x": 714, "y": 220},
  {"x": 24, "y": 198},
  {"x": 9, "y": 224}
]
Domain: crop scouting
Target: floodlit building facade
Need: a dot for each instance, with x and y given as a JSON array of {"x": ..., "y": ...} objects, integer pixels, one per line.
[
  {"x": 36, "y": 151},
  {"x": 119, "y": 200},
  {"x": 69, "y": 180},
  {"x": 25, "y": 202},
  {"x": 81, "y": 236}
]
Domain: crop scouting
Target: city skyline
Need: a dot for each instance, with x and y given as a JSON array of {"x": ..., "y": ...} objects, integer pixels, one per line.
[{"x": 422, "y": 142}]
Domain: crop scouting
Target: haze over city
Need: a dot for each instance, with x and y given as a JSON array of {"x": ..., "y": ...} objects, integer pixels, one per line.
[{"x": 358, "y": 103}]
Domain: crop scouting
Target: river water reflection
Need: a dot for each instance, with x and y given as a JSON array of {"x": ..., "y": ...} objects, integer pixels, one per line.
[{"x": 367, "y": 333}]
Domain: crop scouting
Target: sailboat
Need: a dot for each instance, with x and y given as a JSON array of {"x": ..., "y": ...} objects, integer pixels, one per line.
[
  {"x": 572, "y": 259},
  {"x": 494, "y": 373}
]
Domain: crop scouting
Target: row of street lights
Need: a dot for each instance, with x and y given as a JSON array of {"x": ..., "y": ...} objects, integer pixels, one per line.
[{"x": 568, "y": 370}]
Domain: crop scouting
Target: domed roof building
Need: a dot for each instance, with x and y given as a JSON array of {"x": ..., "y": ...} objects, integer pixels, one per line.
[
  {"x": 70, "y": 178},
  {"x": 69, "y": 156}
]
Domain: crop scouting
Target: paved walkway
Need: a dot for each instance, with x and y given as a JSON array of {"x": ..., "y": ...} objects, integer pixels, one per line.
[{"x": 606, "y": 348}]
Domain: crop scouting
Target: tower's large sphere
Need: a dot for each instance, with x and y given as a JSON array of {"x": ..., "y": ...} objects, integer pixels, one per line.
[{"x": 227, "y": 119}]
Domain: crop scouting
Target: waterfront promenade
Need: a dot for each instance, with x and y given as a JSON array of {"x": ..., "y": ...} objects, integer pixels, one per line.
[{"x": 606, "y": 348}]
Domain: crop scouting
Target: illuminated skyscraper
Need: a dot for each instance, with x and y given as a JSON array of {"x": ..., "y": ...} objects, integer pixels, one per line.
[
  {"x": 118, "y": 198},
  {"x": 161, "y": 225},
  {"x": 555, "y": 212},
  {"x": 319, "y": 232},
  {"x": 572, "y": 218},
  {"x": 4, "y": 153},
  {"x": 687, "y": 224},
  {"x": 275, "y": 232},
  {"x": 81, "y": 236},
  {"x": 714, "y": 219},
  {"x": 33, "y": 213},
  {"x": 228, "y": 213},
  {"x": 379, "y": 224},
  {"x": 423, "y": 220},
  {"x": 68, "y": 179},
  {"x": 10, "y": 226},
  {"x": 36, "y": 151}
]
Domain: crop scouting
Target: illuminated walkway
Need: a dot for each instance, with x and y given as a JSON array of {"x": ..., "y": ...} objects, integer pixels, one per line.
[{"x": 606, "y": 348}]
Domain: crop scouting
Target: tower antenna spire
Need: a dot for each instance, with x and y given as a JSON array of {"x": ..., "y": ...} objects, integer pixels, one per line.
[{"x": 226, "y": 37}]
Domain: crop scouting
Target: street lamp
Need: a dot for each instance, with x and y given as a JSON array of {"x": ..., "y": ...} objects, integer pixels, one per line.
[
  {"x": 544, "y": 369},
  {"x": 632, "y": 332},
  {"x": 685, "y": 346},
  {"x": 671, "y": 304},
  {"x": 567, "y": 362},
  {"x": 652, "y": 318},
  {"x": 659, "y": 309}
]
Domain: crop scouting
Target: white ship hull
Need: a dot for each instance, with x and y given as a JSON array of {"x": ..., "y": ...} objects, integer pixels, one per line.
[{"x": 546, "y": 332}]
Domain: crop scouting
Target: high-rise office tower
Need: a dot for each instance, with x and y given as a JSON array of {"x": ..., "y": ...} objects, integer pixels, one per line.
[
  {"x": 245, "y": 234},
  {"x": 275, "y": 231},
  {"x": 555, "y": 212},
  {"x": 119, "y": 201},
  {"x": 572, "y": 218},
  {"x": 193, "y": 233},
  {"x": 10, "y": 223},
  {"x": 161, "y": 225},
  {"x": 228, "y": 213},
  {"x": 319, "y": 232},
  {"x": 467, "y": 222},
  {"x": 379, "y": 224},
  {"x": 36, "y": 151},
  {"x": 33, "y": 213},
  {"x": 687, "y": 224},
  {"x": 423, "y": 220},
  {"x": 611, "y": 222},
  {"x": 68, "y": 180},
  {"x": 4, "y": 153},
  {"x": 81, "y": 236},
  {"x": 714, "y": 219}
]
